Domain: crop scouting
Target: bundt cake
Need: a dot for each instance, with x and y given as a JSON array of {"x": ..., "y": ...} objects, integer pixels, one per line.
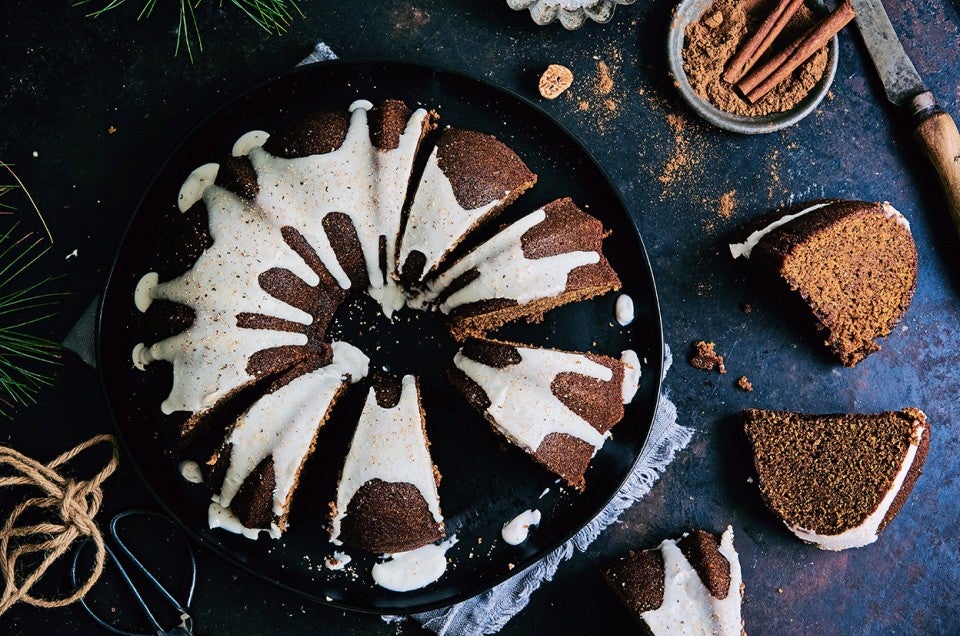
[
  {"x": 689, "y": 586},
  {"x": 853, "y": 262},
  {"x": 837, "y": 480}
]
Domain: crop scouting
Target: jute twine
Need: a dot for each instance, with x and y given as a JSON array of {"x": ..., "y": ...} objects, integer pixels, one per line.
[{"x": 75, "y": 503}]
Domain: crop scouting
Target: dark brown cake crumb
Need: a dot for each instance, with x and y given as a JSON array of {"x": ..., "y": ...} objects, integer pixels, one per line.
[
  {"x": 745, "y": 384},
  {"x": 704, "y": 357}
]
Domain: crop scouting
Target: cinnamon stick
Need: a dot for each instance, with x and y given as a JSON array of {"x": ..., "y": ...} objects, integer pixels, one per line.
[
  {"x": 760, "y": 41},
  {"x": 761, "y": 81}
]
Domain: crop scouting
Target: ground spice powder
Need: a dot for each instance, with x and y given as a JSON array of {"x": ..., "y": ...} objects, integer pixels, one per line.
[{"x": 713, "y": 39}]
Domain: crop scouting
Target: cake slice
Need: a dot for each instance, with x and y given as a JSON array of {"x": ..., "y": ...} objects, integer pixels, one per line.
[
  {"x": 690, "y": 586},
  {"x": 469, "y": 177},
  {"x": 837, "y": 480},
  {"x": 387, "y": 499},
  {"x": 550, "y": 257},
  {"x": 255, "y": 472},
  {"x": 558, "y": 406},
  {"x": 853, "y": 262}
]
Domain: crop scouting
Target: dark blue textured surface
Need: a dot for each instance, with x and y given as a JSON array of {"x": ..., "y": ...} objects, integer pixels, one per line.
[{"x": 66, "y": 79}]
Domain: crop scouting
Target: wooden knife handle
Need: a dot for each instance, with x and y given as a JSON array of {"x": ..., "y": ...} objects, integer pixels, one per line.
[{"x": 941, "y": 142}]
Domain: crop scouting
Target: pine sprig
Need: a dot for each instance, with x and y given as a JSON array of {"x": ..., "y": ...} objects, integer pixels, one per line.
[{"x": 273, "y": 16}]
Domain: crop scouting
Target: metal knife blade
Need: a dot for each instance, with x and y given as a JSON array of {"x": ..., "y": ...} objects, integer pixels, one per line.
[{"x": 898, "y": 74}]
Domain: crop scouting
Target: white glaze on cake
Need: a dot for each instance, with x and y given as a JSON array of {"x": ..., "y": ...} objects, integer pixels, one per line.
[
  {"x": 357, "y": 179},
  {"x": 249, "y": 141},
  {"x": 866, "y": 532},
  {"x": 517, "y": 529},
  {"x": 220, "y": 517},
  {"x": 407, "y": 571},
  {"x": 688, "y": 608},
  {"x": 504, "y": 271},
  {"x": 390, "y": 445},
  {"x": 623, "y": 310},
  {"x": 197, "y": 181},
  {"x": 284, "y": 424},
  {"x": 437, "y": 222},
  {"x": 522, "y": 404},
  {"x": 892, "y": 213},
  {"x": 746, "y": 248},
  {"x": 631, "y": 374},
  {"x": 190, "y": 470},
  {"x": 144, "y": 293}
]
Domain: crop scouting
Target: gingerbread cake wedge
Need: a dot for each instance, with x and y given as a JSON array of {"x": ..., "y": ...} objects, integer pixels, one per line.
[
  {"x": 837, "y": 480},
  {"x": 387, "y": 499},
  {"x": 558, "y": 406},
  {"x": 550, "y": 257},
  {"x": 690, "y": 586},
  {"x": 853, "y": 262},
  {"x": 255, "y": 472},
  {"x": 469, "y": 177}
]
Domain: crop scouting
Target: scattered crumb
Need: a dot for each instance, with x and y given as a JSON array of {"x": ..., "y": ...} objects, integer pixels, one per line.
[
  {"x": 604, "y": 79},
  {"x": 746, "y": 308},
  {"x": 728, "y": 203},
  {"x": 583, "y": 105},
  {"x": 745, "y": 384},
  {"x": 611, "y": 105},
  {"x": 112, "y": 129},
  {"x": 510, "y": 566},
  {"x": 36, "y": 154},
  {"x": 779, "y": 590},
  {"x": 704, "y": 357},
  {"x": 749, "y": 480},
  {"x": 555, "y": 80}
]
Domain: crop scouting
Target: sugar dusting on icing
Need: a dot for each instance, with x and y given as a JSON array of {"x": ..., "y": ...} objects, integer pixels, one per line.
[
  {"x": 190, "y": 470},
  {"x": 437, "y": 222},
  {"x": 407, "y": 571},
  {"x": 867, "y": 531},
  {"x": 746, "y": 248},
  {"x": 688, "y": 607},
  {"x": 338, "y": 561},
  {"x": 517, "y": 529},
  {"x": 504, "y": 271},
  {"x": 357, "y": 179},
  {"x": 283, "y": 425},
  {"x": 389, "y": 445},
  {"x": 623, "y": 310},
  {"x": 522, "y": 404},
  {"x": 197, "y": 181},
  {"x": 249, "y": 141},
  {"x": 631, "y": 374}
]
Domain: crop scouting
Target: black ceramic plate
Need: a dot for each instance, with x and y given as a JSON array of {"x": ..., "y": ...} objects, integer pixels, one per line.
[{"x": 485, "y": 483}]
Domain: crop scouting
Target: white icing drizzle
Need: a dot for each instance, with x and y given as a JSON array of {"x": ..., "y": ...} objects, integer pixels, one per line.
[
  {"x": 220, "y": 517},
  {"x": 623, "y": 310},
  {"x": 190, "y": 470},
  {"x": 746, "y": 248},
  {"x": 407, "y": 571},
  {"x": 631, "y": 374},
  {"x": 688, "y": 608},
  {"x": 143, "y": 294},
  {"x": 137, "y": 356},
  {"x": 338, "y": 561},
  {"x": 249, "y": 141},
  {"x": 517, "y": 529},
  {"x": 389, "y": 444},
  {"x": 357, "y": 179},
  {"x": 544, "y": 493},
  {"x": 522, "y": 404},
  {"x": 504, "y": 271},
  {"x": 867, "y": 531},
  {"x": 283, "y": 424},
  {"x": 197, "y": 181},
  {"x": 892, "y": 213},
  {"x": 437, "y": 222}
]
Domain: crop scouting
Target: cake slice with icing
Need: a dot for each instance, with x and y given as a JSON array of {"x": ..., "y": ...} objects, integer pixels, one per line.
[
  {"x": 255, "y": 472},
  {"x": 551, "y": 257},
  {"x": 837, "y": 480},
  {"x": 854, "y": 263},
  {"x": 469, "y": 177},
  {"x": 387, "y": 499},
  {"x": 558, "y": 406},
  {"x": 690, "y": 586}
]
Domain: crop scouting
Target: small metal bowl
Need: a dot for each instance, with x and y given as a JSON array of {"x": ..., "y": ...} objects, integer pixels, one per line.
[{"x": 690, "y": 10}]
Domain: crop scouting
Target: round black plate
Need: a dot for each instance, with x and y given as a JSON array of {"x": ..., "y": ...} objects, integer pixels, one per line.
[{"x": 485, "y": 483}]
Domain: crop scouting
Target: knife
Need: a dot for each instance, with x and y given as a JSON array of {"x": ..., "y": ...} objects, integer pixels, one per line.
[{"x": 934, "y": 129}]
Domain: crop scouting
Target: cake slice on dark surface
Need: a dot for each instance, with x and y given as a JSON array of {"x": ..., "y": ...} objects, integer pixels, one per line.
[
  {"x": 558, "y": 406},
  {"x": 690, "y": 586},
  {"x": 550, "y": 257},
  {"x": 853, "y": 262},
  {"x": 387, "y": 499},
  {"x": 837, "y": 480},
  {"x": 469, "y": 177},
  {"x": 255, "y": 472}
]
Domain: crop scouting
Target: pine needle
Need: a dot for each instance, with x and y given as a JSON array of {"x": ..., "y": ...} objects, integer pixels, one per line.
[{"x": 5, "y": 189}]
